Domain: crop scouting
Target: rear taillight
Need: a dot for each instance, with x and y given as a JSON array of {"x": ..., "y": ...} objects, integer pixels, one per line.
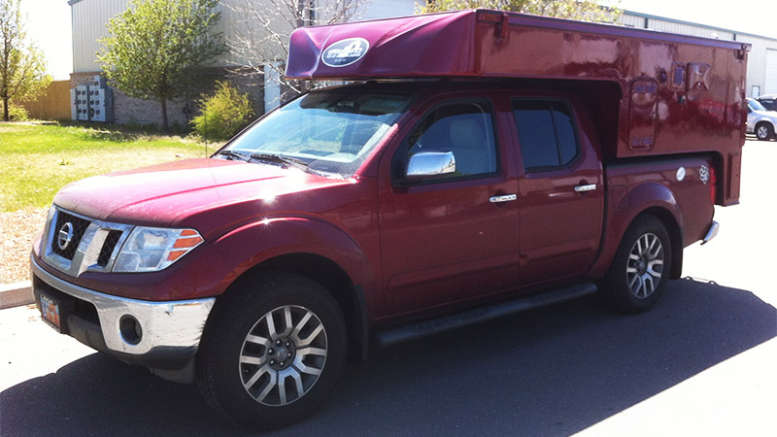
[{"x": 713, "y": 185}]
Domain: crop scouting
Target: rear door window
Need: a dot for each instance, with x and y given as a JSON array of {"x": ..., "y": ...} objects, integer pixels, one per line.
[{"x": 546, "y": 133}]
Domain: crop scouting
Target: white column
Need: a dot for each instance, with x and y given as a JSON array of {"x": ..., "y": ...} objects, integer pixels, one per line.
[{"x": 272, "y": 86}]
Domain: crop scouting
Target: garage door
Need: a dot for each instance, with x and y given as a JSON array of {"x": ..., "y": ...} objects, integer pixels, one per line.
[{"x": 771, "y": 72}]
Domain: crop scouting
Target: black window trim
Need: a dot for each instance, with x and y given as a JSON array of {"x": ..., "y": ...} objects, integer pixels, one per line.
[
  {"x": 401, "y": 181},
  {"x": 575, "y": 129}
]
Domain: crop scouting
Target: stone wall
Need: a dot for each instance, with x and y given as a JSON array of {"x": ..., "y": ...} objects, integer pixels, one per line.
[
  {"x": 130, "y": 110},
  {"x": 253, "y": 85}
]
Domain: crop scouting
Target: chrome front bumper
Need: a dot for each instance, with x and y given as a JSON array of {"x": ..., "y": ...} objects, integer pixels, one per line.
[
  {"x": 711, "y": 233},
  {"x": 171, "y": 330}
]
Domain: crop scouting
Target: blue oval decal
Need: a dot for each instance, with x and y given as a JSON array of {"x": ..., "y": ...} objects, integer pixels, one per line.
[{"x": 345, "y": 52}]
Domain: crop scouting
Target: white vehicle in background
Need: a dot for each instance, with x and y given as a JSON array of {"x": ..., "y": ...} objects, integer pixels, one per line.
[{"x": 760, "y": 121}]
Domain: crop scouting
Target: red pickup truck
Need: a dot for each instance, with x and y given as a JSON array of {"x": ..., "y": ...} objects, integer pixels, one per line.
[{"x": 481, "y": 163}]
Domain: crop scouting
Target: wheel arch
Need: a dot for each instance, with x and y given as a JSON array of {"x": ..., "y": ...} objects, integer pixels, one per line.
[
  {"x": 675, "y": 234},
  {"x": 328, "y": 273},
  {"x": 652, "y": 199}
]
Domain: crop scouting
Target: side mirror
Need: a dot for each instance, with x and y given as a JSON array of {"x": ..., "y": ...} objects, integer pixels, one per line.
[{"x": 425, "y": 164}]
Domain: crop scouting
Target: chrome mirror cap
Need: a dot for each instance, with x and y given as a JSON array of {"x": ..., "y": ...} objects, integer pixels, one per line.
[{"x": 426, "y": 164}]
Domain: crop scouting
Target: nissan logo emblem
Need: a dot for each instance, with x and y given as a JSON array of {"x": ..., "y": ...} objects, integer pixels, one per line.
[{"x": 65, "y": 235}]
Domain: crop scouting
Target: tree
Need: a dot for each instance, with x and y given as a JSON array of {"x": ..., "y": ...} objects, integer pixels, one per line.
[
  {"x": 222, "y": 114},
  {"x": 22, "y": 66},
  {"x": 155, "y": 47},
  {"x": 586, "y": 10},
  {"x": 259, "y": 38}
]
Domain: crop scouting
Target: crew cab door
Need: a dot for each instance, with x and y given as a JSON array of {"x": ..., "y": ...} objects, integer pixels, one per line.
[
  {"x": 450, "y": 237},
  {"x": 561, "y": 192}
]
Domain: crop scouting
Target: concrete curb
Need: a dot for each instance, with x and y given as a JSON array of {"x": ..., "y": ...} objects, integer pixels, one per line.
[{"x": 16, "y": 294}]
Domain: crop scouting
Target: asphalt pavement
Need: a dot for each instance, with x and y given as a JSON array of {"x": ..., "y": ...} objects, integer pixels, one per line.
[{"x": 702, "y": 362}]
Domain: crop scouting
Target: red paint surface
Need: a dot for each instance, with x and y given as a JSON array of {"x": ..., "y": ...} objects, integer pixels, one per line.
[
  {"x": 704, "y": 112},
  {"x": 420, "y": 248}
]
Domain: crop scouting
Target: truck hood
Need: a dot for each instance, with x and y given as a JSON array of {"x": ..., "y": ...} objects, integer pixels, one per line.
[{"x": 168, "y": 194}]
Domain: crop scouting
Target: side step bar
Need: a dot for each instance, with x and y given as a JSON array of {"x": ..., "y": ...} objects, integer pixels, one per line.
[{"x": 481, "y": 314}]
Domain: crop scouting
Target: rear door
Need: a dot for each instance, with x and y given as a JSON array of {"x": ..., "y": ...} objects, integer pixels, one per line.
[
  {"x": 561, "y": 192},
  {"x": 450, "y": 238}
]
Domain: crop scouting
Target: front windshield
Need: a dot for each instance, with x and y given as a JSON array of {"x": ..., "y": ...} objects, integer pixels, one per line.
[
  {"x": 329, "y": 131},
  {"x": 755, "y": 106}
]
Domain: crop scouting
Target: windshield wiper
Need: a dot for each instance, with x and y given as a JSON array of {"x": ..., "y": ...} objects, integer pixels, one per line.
[
  {"x": 283, "y": 160},
  {"x": 234, "y": 155},
  {"x": 287, "y": 161}
]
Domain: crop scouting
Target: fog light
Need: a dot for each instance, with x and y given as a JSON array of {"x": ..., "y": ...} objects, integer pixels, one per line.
[{"x": 130, "y": 330}]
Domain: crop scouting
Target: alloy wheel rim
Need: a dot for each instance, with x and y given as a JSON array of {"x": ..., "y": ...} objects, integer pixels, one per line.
[
  {"x": 645, "y": 265},
  {"x": 279, "y": 366},
  {"x": 762, "y": 132}
]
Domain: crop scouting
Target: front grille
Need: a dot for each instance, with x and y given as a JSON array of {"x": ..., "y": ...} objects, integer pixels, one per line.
[
  {"x": 79, "y": 227},
  {"x": 108, "y": 246}
]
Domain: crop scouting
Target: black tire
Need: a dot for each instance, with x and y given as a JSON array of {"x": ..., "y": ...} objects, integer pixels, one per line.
[
  {"x": 221, "y": 373},
  {"x": 619, "y": 285},
  {"x": 764, "y": 131}
]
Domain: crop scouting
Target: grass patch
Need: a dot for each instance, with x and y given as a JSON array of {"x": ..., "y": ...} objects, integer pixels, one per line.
[{"x": 36, "y": 160}]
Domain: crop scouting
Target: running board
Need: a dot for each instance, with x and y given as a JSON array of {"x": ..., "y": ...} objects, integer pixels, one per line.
[{"x": 481, "y": 314}]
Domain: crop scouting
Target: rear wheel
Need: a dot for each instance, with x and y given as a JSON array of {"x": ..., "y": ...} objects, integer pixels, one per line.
[
  {"x": 764, "y": 131},
  {"x": 641, "y": 267},
  {"x": 273, "y": 351}
]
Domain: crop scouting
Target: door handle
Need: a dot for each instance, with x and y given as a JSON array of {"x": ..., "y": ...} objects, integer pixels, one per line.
[
  {"x": 585, "y": 188},
  {"x": 502, "y": 198}
]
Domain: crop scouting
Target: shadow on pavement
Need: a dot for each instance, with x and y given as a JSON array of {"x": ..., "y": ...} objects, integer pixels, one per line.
[{"x": 552, "y": 371}]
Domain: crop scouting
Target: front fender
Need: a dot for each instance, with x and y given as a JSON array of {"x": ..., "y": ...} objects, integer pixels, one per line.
[
  {"x": 254, "y": 243},
  {"x": 627, "y": 207}
]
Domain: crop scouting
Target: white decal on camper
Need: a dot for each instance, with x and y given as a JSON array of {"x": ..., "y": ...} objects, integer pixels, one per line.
[{"x": 345, "y": 52}]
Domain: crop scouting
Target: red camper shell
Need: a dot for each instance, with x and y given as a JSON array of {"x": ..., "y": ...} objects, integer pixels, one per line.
[{"x": 677, "y": 94}]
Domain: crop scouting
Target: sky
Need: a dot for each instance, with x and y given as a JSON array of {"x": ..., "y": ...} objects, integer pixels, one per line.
[
  {"x": 48, "y": 21},
  {"x": 48, "y": 25}
]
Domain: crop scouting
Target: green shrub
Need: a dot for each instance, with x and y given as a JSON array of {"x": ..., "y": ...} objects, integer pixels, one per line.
[
  {"x": 223, "y": 114},
  {"x": 17, "y": 113}
]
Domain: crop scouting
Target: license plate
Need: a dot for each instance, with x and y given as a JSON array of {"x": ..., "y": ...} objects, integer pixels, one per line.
[{"x": 49, "y": 310}]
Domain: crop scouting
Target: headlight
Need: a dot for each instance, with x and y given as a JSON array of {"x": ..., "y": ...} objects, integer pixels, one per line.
[
  {"x": 152, "y": 249},
  {"x": 43, "y": 234}
]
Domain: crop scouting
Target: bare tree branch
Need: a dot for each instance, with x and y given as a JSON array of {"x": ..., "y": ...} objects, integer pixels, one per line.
[{"x": 259, "y": 34}]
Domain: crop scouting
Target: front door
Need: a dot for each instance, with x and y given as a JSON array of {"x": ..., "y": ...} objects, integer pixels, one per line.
[{"x": 449, "y": 238}]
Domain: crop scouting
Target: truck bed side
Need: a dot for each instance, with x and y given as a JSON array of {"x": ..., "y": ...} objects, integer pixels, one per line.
[{"x": 679, "y": 191}]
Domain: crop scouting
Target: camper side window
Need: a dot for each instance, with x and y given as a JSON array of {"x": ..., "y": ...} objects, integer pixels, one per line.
[{"x": 546, "y": 133}]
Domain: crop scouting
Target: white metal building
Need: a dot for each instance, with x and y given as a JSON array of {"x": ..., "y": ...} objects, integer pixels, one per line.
[{"x": 89, "y": 18}]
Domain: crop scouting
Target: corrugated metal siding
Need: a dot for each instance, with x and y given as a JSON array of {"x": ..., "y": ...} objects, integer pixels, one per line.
[
  {"x": 631, "y": 21},
  {"x": 686, "y": 29},
  {"x": 91, "y": 16},
  {"x": 757, "y": 63},
  {"x": 89, "y": 20},
  {"x": 239, "y": 27},
  {"x": 770, "y": 81},
  {"x": 238, "y": 23},
  {"x": 374, "y": 9}
]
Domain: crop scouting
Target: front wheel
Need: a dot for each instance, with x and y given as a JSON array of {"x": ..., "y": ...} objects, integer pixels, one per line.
[
  {"x": 641, "y": 267},
  {"x": 273, "y": 351},
  {"x": 764, "y": 131}
]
